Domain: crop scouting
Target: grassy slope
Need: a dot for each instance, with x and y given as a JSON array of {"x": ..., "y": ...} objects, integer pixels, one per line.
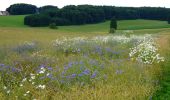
[
  {"x": 17, "y": 21},
  {"x": 122, "y": 25},
  {"x": 12, "y": 21}
]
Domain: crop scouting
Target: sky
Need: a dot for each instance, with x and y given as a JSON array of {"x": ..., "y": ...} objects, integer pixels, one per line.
[{"x": 60, "y": 3}]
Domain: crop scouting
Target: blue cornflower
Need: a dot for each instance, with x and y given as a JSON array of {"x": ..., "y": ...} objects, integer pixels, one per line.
[
  {"x": 50, "y": 68},
  {"x": 108, "y": 49},
  {"x": 81, "y": 62},
  {"x": 73, "y": 75},
  {"x": 94, "y": 74},
  {"x": 50, "y": 76},
  {"x": 119, "y": 72},
  {"x": 15, "y": 69},
  {"x": 86, "y": 72},
  {"x": 2, "y": 64},
  {"x": 80, "y": 74},
  {"x": 70, "y": 64}
]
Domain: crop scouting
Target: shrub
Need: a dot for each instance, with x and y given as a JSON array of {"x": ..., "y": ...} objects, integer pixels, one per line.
[
  {"x": 53, "y": 26},
  {"x": 113, "y": 25},
  {"x": 37, "y": 20}
]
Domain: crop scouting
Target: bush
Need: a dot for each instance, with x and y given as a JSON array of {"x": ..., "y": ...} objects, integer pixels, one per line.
[
  {"x": 53, "y": 26},
  {"x": 37, "y": 20},
  {"x": 113, "y": 23}
]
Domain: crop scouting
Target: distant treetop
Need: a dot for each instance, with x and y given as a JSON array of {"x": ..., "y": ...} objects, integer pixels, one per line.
[{"x": 22, "y": 9}]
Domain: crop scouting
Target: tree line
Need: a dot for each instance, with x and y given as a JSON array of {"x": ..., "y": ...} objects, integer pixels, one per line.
[{"x": 84, "y": 14}]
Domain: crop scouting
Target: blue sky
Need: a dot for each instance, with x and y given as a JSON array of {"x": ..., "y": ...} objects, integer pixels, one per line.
[{"x": 60, "y": 3}]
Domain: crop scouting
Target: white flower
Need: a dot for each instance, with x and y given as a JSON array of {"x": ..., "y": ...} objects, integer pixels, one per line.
[
  {"x": 24, "y": 79},
  {"x": 28, "y": 92},
  {"x": 48, "y": 74},
  {"x": 42, "y": 70},
  {"x": 5, "y": 87},
  {"x": 33, "y": 77},
  {"x": 8, "y": 91},
  {"x": 146, "y": 51},
  {"x": 41, "y": 86},
  {"x": 21, "y": 85}
]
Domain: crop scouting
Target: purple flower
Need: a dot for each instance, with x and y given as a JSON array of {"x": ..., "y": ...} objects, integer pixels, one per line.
[
  {"x": 86, "y": 72},
  {"x": 50, "y": 68},
  {"x": 66, "y": 67},
  {"x": 2, "y": 64},
  {"x": 108, "y": 49},
  {"x": 93, "y": 62},
  {"x": 70, "y": 64},
  {"x": 80, "y": 74},
  {"x": 63, "y": 73},
  {"x": 73, "y": 75},
  {"x": 115, "y": 52},
  {"x": 70, "y": 76},
  {"x": 42, "y": 66},
  {"x": 98, "y": 50},
  {"x": 119, "y": 72},
  {"x": 50, "y": 76},
  {"x": 94, "y": 74},
  {"x": 81, "y": 62},
  {"x": 15, "y": 69}
]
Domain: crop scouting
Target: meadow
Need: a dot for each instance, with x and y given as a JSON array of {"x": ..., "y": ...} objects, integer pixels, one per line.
[{"x": 84, "y": 62}]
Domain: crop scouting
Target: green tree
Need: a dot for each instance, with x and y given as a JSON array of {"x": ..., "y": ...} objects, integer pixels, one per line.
[
  {"x": 113, "y": 25},
  {"x": 22, "y": 9},
  {"x": 168, "y": 19}
]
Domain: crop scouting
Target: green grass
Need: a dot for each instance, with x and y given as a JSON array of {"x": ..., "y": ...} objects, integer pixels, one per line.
[
  {"x": 136, "y": 83},
  {"x": 164, "y": 92},
  {"x": 142, "y": 24},
  {"x": 12, "y": 21},
  {"x": 17, "y": 21},
  {"x": 122, "y": 25}
]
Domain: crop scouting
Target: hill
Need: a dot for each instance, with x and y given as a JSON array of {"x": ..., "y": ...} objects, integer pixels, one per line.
[
  {"x": 17, "y": 21},
  {"x": 12, "y": 21}
]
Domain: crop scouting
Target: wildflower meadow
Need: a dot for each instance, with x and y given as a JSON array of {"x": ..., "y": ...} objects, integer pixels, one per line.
[{"x": 99, "y": 67}]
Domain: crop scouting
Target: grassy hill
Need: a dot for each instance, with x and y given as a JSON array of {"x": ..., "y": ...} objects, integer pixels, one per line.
[
  {"x": 17, "y": 21},
  {"x": 12, "y": 21},
  {"x": 122, "y": 25}
]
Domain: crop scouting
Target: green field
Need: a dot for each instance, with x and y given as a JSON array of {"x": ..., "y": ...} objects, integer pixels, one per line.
[
  {"x": 12, "y": 21},
  {"x": 84, "y": 62},
  {"x": 17, "y": 21}
]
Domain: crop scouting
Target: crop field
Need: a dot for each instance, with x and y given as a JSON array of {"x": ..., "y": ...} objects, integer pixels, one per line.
[{"x": 85, "y": 62}]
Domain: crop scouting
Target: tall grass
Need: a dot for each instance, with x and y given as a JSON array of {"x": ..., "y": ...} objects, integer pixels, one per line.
[{"x": 97, "y": 67}]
